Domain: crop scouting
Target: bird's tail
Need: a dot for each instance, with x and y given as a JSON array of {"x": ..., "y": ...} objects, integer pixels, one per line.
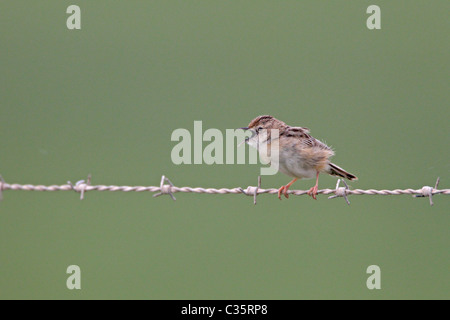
[{"x": 334, "y": 170}]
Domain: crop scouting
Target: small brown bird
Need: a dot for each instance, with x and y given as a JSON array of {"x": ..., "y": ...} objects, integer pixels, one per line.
[{"x": 300, "y": 155}]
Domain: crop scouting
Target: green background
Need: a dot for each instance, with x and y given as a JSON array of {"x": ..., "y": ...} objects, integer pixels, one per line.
[{"x": 105, "y": 99}]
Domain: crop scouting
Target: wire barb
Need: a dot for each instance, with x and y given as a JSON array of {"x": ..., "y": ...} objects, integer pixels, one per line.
[
  {"x": 252, "y": 191},
  {"x": 341, "y": 191},
  {"x": 427, "y": 191},
  {"x": 80, "y": 186},
  {"x": 165, "y": 189}
]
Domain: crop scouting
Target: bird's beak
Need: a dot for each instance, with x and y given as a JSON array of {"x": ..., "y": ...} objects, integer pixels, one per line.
[
  {"x": 252, "y": 132},
  {"x": 247, "y": 138}
]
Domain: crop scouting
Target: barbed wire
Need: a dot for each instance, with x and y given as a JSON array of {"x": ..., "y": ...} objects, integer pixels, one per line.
[{"x": 83, "y": 186}]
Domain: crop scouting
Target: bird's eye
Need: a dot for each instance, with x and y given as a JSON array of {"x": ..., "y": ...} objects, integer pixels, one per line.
[{"x": 258, "y": 129}]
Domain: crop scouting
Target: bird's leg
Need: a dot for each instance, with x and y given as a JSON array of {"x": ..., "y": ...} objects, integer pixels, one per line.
[
  {"x": 313, "y": 191},
  {"x": 284, "y": 189}
]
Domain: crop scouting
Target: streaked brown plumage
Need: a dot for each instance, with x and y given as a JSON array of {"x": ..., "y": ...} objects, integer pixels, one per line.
[{"x": 300, "y": 154}]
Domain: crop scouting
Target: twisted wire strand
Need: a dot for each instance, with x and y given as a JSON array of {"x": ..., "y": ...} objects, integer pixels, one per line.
[
  {"x": 173, "y": 189},
  {"x": 169, "y": 189}
]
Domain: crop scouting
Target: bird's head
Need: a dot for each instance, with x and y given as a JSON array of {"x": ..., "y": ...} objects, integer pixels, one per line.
[{"x": 264, "y": 122}]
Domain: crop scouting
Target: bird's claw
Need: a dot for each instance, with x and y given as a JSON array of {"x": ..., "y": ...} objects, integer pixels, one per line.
[
  {"x": 313, "y": 192},
  {"x": 284, "y": 190}
]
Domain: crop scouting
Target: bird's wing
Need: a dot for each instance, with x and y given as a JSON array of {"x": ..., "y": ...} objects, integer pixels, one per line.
[
  {"x": 297, "y": 130},
  {"x": 306, "y": 139}
]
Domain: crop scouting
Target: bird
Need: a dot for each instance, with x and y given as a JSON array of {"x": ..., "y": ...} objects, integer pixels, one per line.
[{"x": 300, "y": 155}]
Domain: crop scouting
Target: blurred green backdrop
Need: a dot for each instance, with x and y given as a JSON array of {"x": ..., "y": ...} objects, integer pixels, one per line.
[{"x": 105, "y": 100}]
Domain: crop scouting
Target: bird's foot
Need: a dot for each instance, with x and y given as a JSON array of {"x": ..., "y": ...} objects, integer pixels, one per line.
[
  {"x": 313, "y": 192},
  {"x": 283, "y": 190}
]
